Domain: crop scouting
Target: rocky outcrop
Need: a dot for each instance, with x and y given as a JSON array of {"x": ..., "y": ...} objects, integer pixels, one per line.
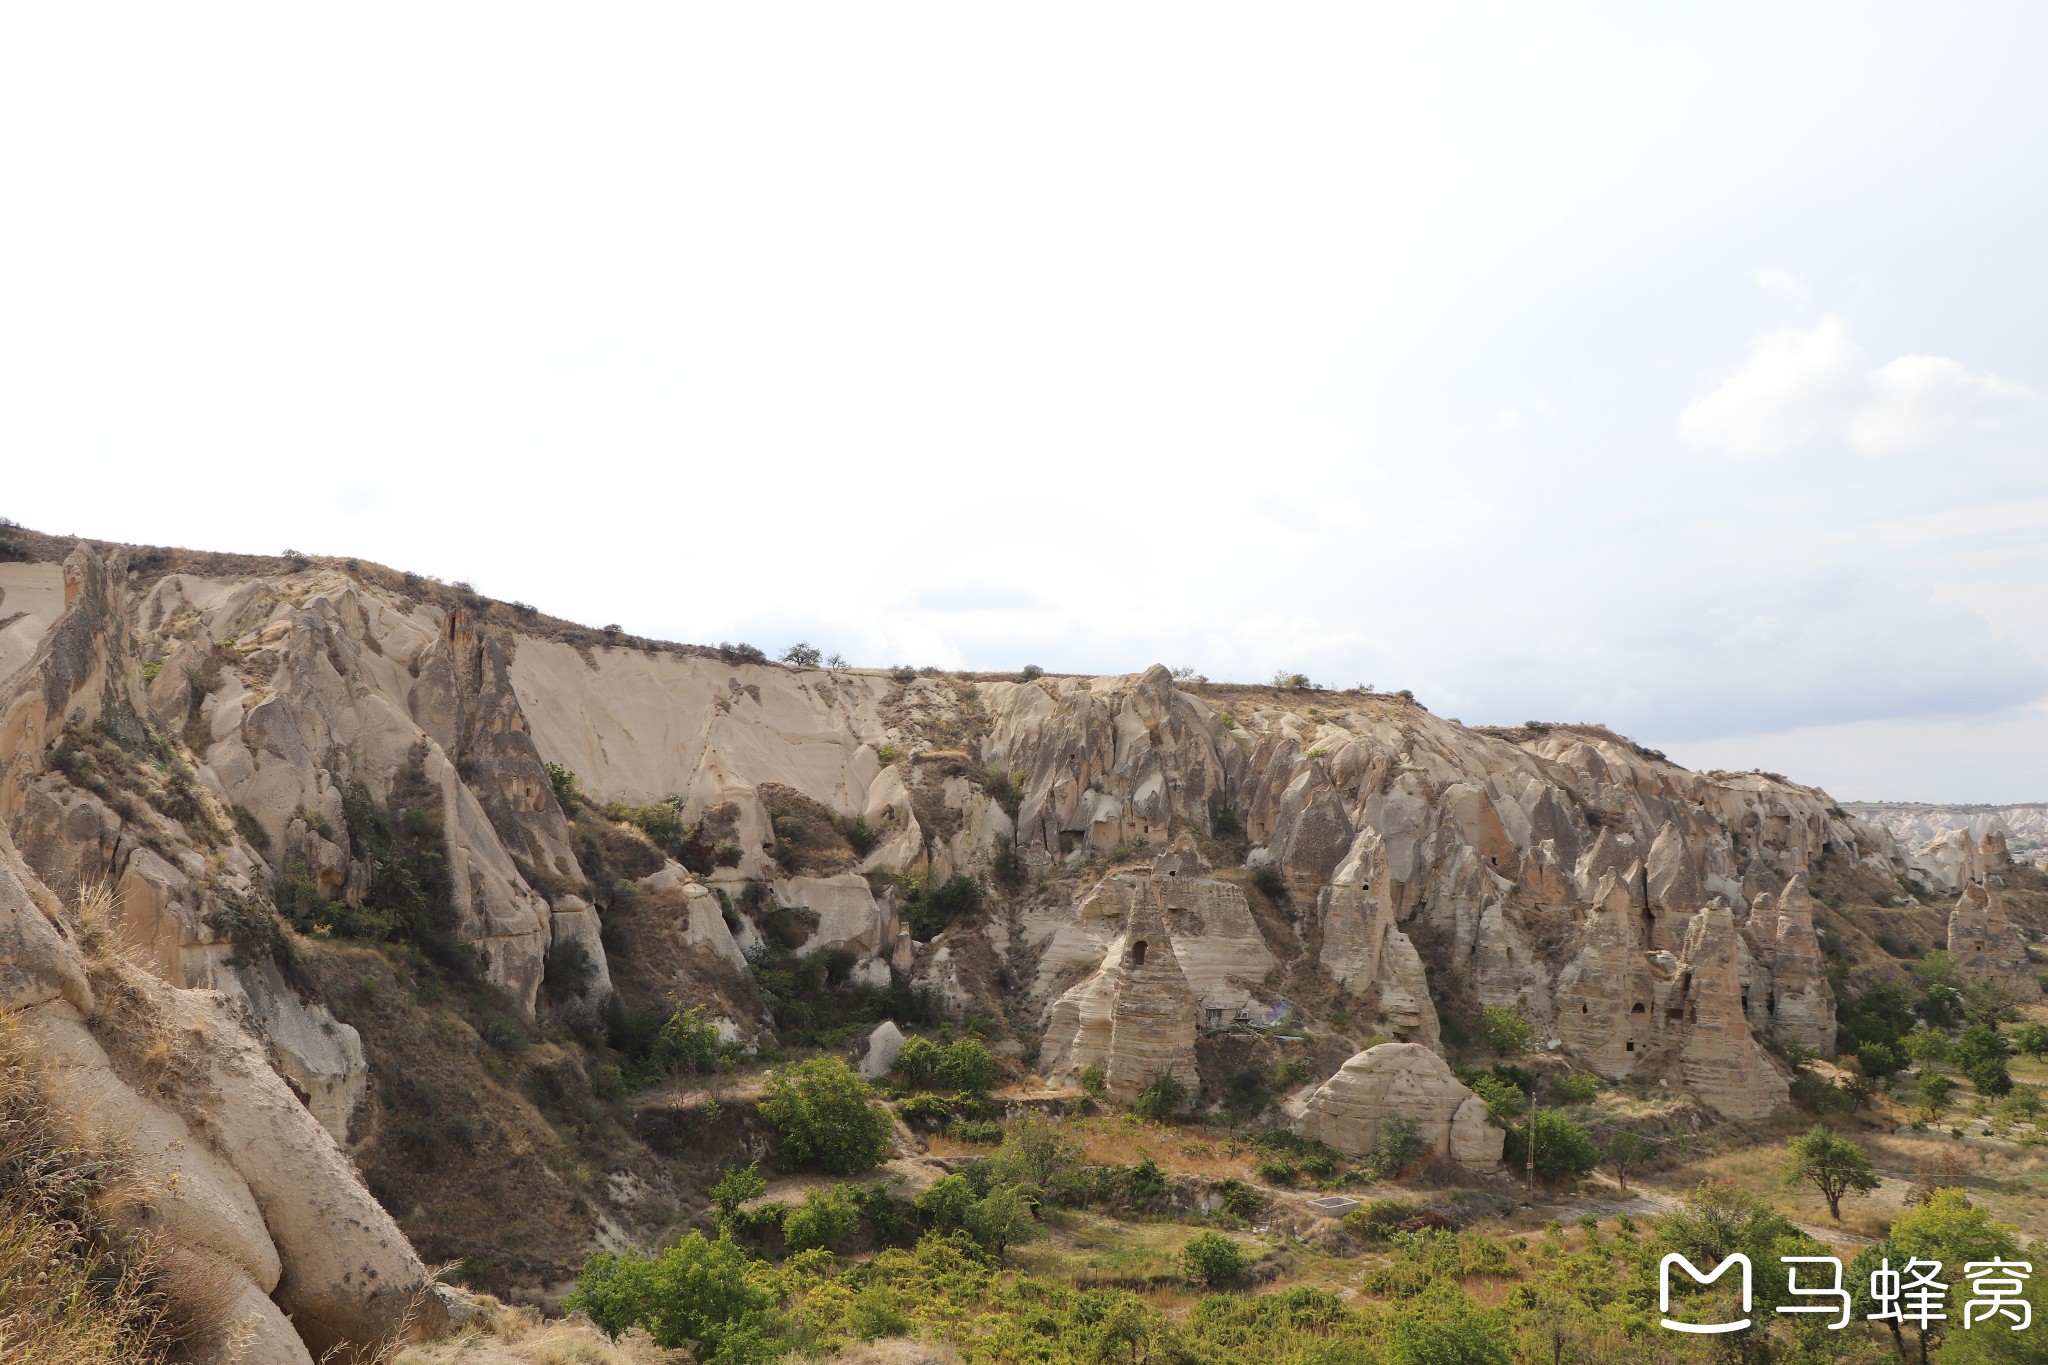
[
  {"x": 1401, "y": 1080},
  {"x": 1135, "y": 1017},
  {"x": 1610, "y": 1015},
  {"x": 1721, "y": 1063},
  {"x": 1791, "y": 989},
  {"x": 236, "y": 1173},
  {"x": 1983, "y": 942}
]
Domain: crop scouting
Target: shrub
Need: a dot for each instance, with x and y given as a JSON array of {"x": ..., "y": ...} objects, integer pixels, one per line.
[
  {"x": 1093, "y": 1082},
  {"x": 861, "y": 836},
  {"x": 1278, "y": 1171},
  {"x": 1212, "y": 1260},
  {"x": 966, "y": 1065},
  {"x": 505, "y": 1035},
  {"x": 987, "y": 1132},
  {"x": 827, "y": 1218},
  {"x": 1270, "y": 883},
  {"x": 1031, "y": 673},
  {"x": 822, "y": 1117},
  {"x": 568, "y": 795},
  {"x": 697, "y": 1291},
  {"x": 1507, "y": 1031},
  {"x": 918, "y": 1060},
  {"x": 568, "y": 971},
  {"x": 1504, "y": 1101},
  {"x": 689, "y": 1042},
  {"x": 1225, "y": 824},
  {"x": 1563, "y": 1148},
  {"x": 1878, "y": 1060},
  {"x": 1397, "y": 1145},
  {"x": 1817, "y": 1095},
  {"x": 930, "y": 907},
  {"x": 1575, "y": 1087},
  {"x": 1162, "y": 1099},
  {"x": 741, "y": 654}
]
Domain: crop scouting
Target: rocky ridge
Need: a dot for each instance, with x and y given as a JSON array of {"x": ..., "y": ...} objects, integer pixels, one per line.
[{"x": 219, "y": 738}]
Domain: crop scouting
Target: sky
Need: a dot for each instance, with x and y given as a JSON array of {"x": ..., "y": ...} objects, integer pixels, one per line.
[{"x": 1677, "y": 368}]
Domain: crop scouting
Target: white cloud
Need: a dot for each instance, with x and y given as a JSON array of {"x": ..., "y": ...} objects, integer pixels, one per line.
[
  {"x": 1799, "y": 386},
  {"x": 1508, "y": 419}
]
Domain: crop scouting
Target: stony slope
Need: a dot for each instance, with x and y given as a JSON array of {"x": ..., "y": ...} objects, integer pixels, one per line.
[{"x": 243, "y": 747}]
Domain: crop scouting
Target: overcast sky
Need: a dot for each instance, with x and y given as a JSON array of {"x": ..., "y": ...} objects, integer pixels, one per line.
[{"x": 1556, "y": 362}]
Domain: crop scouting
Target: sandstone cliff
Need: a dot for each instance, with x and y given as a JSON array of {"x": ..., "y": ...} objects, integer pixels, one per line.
[{"x": 247, "y": 747}]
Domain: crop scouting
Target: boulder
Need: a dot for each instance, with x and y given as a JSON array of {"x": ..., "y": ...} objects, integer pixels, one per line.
[
  {"x": 1401, "y": 1080},
  {"x": 877, "y": 1052}
]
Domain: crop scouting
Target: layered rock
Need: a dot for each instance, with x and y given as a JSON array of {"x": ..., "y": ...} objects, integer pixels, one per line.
[
  {"x": 1788, "y": 992},
  {"x": 1721, "y": 1063},
  {"x": 1611, "y": 1015},
  {"x": 235, "y": 1171},
  {"x": 1408, "y": 1081},
  {"x": 1135, "y": 1017},
  {"x": 1983, "y": 942}
]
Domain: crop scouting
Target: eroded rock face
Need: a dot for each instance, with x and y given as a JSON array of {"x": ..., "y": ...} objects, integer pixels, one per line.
[
  {"x": 1404, "y": 1080},
  {"x": 1790, "y": 991},
  {"x": 1134, "y": 1017},
  {"x": 1983, "y": 943},
  {"x": 1721, "y": 1062},
  {"x": 237, "y": 1173}
]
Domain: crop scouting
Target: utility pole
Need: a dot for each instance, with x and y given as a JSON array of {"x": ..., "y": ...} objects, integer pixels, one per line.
[{"x": 1529, "y": 1174}]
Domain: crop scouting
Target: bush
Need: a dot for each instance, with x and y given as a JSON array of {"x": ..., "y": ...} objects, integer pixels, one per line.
[
  {"x": 698, "y": 1291},
  {"x": 822, "y": 1117},
  {"x": 929, "y": 908},
  {"x": 827, "y": 1218},
  {"x": 1093, "y": 1082},
  {"x": 567, "y": 794},
  {"x": 861, "y": 836},
  {"x": 966, "y": 1065},
  {"x": 1278, "y": 1171},
  {"x": 1270, "y": 884},
  {"x": 1162, "y": 1099},
  {"x": 1878, "y": 1060},
  {"x": 689, "y": 1042},
  {"x": 1225, "y": 824},
  {"x": 1575, "y": 1087},
  {"x": 1563, "y": 1148},
  {"x": 1397, "y": 1145},
  {"x": 1817, "y": 1095},
  {"x": 1212, "y": 1260},
  {"x": 1506, "y": 1030}
]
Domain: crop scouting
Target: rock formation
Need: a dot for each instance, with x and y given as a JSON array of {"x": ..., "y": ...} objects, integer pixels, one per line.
[
  {"x": 1983, "y": 942},
  {"x": 1720, "y": 1060},
  {"x": 1134, "y": 1017},
  {"x": 237, "y": 1173},
  {"x": 1401, "y": 1080},
  {"x": 1788, "y": 992}
]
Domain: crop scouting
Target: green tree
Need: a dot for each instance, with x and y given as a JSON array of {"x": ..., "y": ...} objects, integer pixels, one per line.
[
  {"x": 828, "y": 1217},
  {"x": 966, "y": 1065},
  {"x": 1927, "y": 1047},
  {"x": 736, "y": 1187},
  {"x": 1507, "y": 1031},
  {"x": 1562, "y": 1147},
  {"x": 917, "y": 1062},
  {"x": 824, "y": 1118},
  {"x": 1950, "y": 1229},
  {"x": 1449, "y": 1329},
  {"x": 1625, "y": 1150},
  {"x": 2032, "y": 1039},
  {"x": 688, "y": 1042},
  {"x": 1935, "y": 1090},
  {"x": 1213, "y": 1260},
  {"x": 696, "y": 1292},
  {"x": 1717, "y": 1220},
  {"x": 1833, "y": 1165},
  {"x": 1878, "y": 1060}
]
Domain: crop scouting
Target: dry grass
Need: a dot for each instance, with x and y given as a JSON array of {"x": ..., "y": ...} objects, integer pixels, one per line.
[
  {"x": 80, "y": 1283},
  {"x": 503, "y": 1335}
]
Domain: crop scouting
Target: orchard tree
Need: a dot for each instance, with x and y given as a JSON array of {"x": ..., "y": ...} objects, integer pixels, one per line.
[{"x": 1834, "y": 1166}]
